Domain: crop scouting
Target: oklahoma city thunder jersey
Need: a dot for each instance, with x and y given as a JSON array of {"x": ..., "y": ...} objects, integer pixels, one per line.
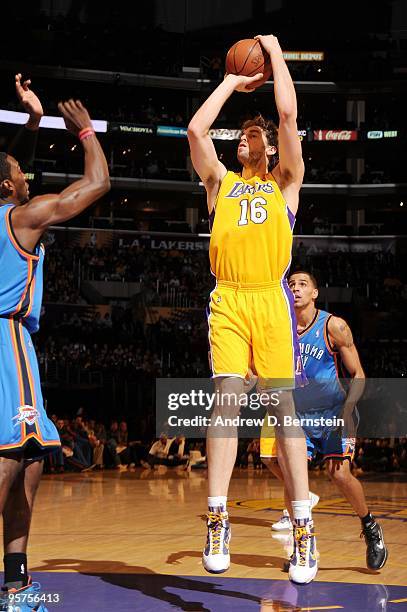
[
  {"x": 22, "y": 415},
  {"x": 323, "y": 397},
  {"x": 21, "y": 276},
  {"x": 321, "y": 363},
  {"x": 251, "y": 236}
]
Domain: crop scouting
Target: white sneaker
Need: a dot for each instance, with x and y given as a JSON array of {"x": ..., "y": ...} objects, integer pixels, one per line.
[
  {"x": 286, "y": 540},
  {"x": 314, "y": 499},
  {"x": 216, "y": 556},
  {"x": 304, "y": 561},
  {"x": 284, "y": 523}
]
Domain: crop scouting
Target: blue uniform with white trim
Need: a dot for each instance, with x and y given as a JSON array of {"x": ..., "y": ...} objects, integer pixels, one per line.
[
  {"x": 324, "y": 395},
  {"x": 24, "y": 424}
]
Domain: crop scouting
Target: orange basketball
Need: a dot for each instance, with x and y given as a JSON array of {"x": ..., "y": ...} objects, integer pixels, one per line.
[{"x": 247, "y": 57}]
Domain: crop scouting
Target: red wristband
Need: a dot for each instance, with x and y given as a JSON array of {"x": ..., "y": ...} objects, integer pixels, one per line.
[{"x": 86, "y": 133}]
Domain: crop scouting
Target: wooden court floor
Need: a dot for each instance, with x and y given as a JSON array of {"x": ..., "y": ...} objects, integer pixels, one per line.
[{"x": 151, "y": 523}]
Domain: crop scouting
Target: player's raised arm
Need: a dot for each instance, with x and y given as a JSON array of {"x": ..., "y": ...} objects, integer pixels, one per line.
[
  {"x": 204, "y": 158},
  {"x": 30, "y": 220},
  {"x": 24, "y": 143},
  {"x": 291, "y": 166},
  {"x": 342, "y": 340}
]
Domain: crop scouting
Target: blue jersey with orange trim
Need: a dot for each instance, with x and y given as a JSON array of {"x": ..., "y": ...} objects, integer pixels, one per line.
[
  {"x": 321, "y": 365},
  {"x": 21, "y": 281}
]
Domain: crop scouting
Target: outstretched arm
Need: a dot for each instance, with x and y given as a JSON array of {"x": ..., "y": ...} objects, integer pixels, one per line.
[
  {"x": 291, "y": 166},
  {"x": 204, "y": 158},
  {"x": 30, "y": 220},
  {"x": 25, "y": 141}
]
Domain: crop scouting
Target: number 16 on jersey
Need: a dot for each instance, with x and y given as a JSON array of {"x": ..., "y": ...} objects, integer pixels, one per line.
[{"x": 257, "y": 212}]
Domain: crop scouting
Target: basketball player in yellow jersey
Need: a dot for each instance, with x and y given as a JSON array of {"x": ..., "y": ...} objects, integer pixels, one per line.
[{"x": 251, "y": 315}]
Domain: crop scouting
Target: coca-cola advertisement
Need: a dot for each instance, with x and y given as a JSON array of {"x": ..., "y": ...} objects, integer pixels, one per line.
[{"x": 335, "y": 135}]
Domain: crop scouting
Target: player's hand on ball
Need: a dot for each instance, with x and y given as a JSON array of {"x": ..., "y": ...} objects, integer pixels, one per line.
[
  {"x": 75, "y": 115},
  {"x": 244, "y": 83},
  {"x": 269, "y": 43}
]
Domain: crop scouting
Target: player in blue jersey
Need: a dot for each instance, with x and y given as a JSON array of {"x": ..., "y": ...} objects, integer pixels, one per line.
[
  {"x": 26, "y": 433},
  {"x": 326, "y": 345}
]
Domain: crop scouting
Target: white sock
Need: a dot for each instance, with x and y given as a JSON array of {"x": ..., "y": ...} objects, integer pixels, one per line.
[
  {"x": 217, "y": 504},
  {"x": 301, "y": 511}
]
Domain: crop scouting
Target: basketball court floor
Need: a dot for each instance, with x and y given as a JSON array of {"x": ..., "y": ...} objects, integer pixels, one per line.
[{"x": 133, "y": 541}]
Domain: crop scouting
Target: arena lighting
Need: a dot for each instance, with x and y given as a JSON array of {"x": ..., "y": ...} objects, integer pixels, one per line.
[{"x": 55, "y": 123}]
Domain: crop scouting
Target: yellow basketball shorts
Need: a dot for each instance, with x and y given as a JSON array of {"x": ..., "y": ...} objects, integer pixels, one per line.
[
  {"x": 254, "y": 325},
  {"x": 268, "y": 441}
]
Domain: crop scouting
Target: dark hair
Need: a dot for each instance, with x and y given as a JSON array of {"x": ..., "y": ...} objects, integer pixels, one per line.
[
  {"x": 5, "y": 168},
  {"x": 269, "y": 128},
  {"x": 310, "y": 276}
]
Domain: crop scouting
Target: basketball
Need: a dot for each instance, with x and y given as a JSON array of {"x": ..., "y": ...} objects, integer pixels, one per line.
[{"x": 247, "y": 57}]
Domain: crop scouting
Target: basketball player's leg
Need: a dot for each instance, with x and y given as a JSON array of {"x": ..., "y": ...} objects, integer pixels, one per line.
[
  {"x": 292, "y": 459},
  {"x": 10, "y": 465},
  {"x": 277, "y": 360},
  {"x": 340, "y": 473},
  {"x": 221, "y": 443},
  {"x": 275, "y": 357},
  {"x": 229, "y": 360},
  {"x": 221, "y": 450},
  {"x": 273, "y": 466},
  {"x": 17, "y": 513},
  {"x": 230, "y": 351},
  {"x": 292, "y": 450},
  {"x": 269, "y": 456}
]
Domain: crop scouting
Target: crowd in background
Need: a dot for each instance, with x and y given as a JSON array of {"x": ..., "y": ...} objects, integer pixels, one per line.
[
  {"x": 88, "y": 444},
  {"x": 375, "y": 275},
  {"x": 123, "y": 346}
]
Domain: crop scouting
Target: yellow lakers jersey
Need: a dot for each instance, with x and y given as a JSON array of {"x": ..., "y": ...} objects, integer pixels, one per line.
[{"x": 251, "y": 236}]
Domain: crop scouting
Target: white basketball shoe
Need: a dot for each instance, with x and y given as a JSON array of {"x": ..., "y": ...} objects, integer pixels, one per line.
[{"x": 216, "y": 556}]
